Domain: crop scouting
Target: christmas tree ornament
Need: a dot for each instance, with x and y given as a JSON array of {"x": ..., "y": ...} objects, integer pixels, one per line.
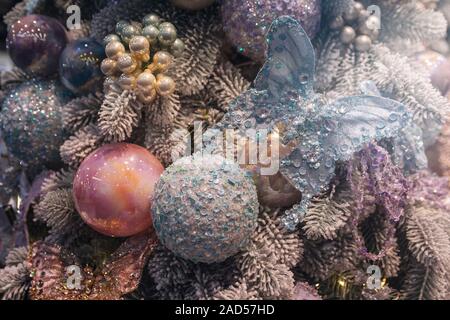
[
  {"x": 246, "y": 22},
  {"x": 167, "y": 34},
  {"x": 192, "y": 4},
  {"x": 320, "y": 133},
  {"x": 164, "y": 85},
  {"x": 146, "y": 80},
  {"x": 140, "y": 47},
  {"x": 114, "y": 50},
  {"x": 128, "y": 32},
  {"x": 177, "y": 48},
  {"x": 205, "y": 208},
  {"x": 113, "y": 188},
  {"x": 161, "y": 61},
  {"x": 79, "y": 66},
  {"x": 127, "y": 81},
  {"x": 120, "y": 26},
  {"x": 109, "y": 67},
  {"x": 126, "y": 63},
  {"x": 32, "y": 124},
  {"x": 151, "y": 33},
  {"x": 109, "y": 38},
  {"x": 35, "y": 43},
  {"x": 437, "y": 68},
  {"x": 357, "y": 26},
  {"x": 151, "y": 20},
  {"x": 151, "y": 52}
]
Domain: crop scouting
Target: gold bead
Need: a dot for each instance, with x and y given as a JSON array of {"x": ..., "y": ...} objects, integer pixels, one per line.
[
  {"x": 151, "y": 20},
  {"x": 162, "y": 60},
  {"x": 127, "y": 81},
  {"x": 147, "y": 97},
  {"x": 139, "y": 45},
  {"x": 129, "y": 32},
  {"x": 114, "y": 50},
  {"x": 164, "y": 85},
  {"x": 126, "y": 63},
  {"x": 151, "y": 34},
  {"x": 108, "y": 66},
  {"x": 177, "y": 48},
  {"x": 167, "y": 33},
  {"x": 146, "y": 80}
]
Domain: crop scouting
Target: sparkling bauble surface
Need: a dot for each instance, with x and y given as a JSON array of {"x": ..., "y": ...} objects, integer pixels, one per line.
[
  {"x": 205, "y": 208},
  {"x": 31, "y": 122},
  {"x": 79, "y": 66},
  {"x": 192, "y": 4},
  {"x": 35, "y": 43},
  {"x": 246, "y": 22},
  {"x": 437, "y": 67},
  {"x": 113, "y": 188}
]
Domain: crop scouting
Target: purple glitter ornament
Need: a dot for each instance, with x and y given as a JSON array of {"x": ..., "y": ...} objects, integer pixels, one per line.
[
  {"x": 246, "y": 22},
  {"x": 35, "y": 42}
]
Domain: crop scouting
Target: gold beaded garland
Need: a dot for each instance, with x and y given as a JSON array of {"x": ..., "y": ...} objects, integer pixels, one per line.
[
  {"x": 139, "y": 54},
  {"x": 357, "y": 26}
]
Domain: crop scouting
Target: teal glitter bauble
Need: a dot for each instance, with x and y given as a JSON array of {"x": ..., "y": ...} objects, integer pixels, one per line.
[
  {"x": 205, "y": 208},
  {"x": 32, "y": 124}
]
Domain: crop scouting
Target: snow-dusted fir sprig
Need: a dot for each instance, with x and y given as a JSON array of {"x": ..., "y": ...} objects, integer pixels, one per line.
[{"x": 15, "y": 276}]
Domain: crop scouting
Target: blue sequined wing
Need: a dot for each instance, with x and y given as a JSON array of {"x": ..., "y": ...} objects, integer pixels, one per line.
[
  {"x": 407, "y": 149},
  {"x": 290, "y": 63},
  {"x": 334, "y": 134}
]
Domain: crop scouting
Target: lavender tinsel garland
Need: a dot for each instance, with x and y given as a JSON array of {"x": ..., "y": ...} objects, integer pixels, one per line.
[{"x": 379, "y": 177}]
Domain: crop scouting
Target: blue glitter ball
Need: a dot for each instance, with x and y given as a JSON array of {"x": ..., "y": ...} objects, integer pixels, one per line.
[
  {"x": 205, "y": 208},
  {"x": 79, "y": 66},
  {"x": 31, "y": 122}
]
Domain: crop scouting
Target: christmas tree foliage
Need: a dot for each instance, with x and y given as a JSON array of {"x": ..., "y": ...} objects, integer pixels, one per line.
[{"x": 108, "y": 105}]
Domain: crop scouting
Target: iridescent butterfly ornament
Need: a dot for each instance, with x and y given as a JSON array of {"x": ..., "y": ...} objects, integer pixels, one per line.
[{"x": 321, "y": 133}]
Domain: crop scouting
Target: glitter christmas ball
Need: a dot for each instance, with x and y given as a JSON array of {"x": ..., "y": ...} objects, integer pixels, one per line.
[
  {"x": 246, "y": 22},
  {"x": 437, "y": 67},
  {"x": 35, "y": 43},
  {"x": 79, "y": 66},
  {"x": 113, "y": 188},
  {"x": 205, "y": 208},
  {"x": 31, "y": 122},
  {"x": 192, "y": 4}
]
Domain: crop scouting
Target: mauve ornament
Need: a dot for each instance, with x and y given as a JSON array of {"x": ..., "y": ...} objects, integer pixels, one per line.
[
  {"x": 437, "y": 68},
  {"x": 192, "y": 4},
  {"x": 246, "y": 22},
  {"x": 113, "y": 188},
  {"x": 79, "y": 66},
  {"x": 35, "y": 43}
]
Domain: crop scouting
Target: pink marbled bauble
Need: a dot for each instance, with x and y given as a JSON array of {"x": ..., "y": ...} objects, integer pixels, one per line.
[{"x": 113, "y": 188}]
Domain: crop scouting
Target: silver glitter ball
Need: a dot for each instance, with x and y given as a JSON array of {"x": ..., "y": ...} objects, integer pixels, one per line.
[
  {"x": 32, "y": 124},
  {"x": 205, "y": 208}
]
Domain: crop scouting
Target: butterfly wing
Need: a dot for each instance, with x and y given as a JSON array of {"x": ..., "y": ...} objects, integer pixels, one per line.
[
  {"x": 290, "y": 63},
  {"x": 341, "y": 129}
]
